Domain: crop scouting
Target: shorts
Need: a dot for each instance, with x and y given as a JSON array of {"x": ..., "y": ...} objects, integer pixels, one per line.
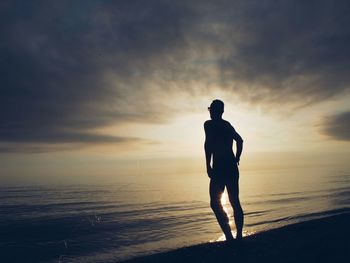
[{"x": 225, "y": 172}]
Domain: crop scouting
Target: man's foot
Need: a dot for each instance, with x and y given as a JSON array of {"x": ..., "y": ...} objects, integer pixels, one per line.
[
  {"x": 229, "y": 236},
  {"x": 239, "y": 237},
  {"x": 230, "y": 239},
  {"x": 230, "y": 242}
]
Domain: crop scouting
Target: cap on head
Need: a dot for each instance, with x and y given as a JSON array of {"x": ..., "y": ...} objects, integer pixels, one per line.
[{"x": 217, "y": 106}]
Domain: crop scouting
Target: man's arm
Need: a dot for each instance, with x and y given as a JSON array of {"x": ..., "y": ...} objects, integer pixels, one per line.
[
  {"x": 208, "y": 150},
  {"x": 239, "y": 144}
]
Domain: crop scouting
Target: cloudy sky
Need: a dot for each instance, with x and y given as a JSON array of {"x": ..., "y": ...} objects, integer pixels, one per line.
[{"x": 133, "y": 79}]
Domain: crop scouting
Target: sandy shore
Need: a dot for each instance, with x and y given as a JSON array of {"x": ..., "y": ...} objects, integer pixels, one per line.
[{"x": 321, "y": 240}]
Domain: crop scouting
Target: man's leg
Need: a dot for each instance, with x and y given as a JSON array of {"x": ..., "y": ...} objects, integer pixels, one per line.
[
  {"x": 233, "y": 195},
  {"x": 216, "y": 189}
]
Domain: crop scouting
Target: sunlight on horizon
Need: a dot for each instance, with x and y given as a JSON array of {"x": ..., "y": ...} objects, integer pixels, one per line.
[
  {"x": 263, "y": 130},
  {"x": 269, "y": 142}
]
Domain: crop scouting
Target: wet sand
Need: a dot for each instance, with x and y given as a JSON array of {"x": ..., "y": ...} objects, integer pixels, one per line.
[{"x": 321, "y": 240}]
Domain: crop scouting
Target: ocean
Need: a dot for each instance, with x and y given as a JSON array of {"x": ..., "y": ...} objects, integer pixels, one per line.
[{"x": 117, "y": 218}]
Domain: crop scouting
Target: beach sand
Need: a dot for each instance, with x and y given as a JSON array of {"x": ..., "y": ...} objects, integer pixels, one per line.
[{"x": 321, "y": 240}]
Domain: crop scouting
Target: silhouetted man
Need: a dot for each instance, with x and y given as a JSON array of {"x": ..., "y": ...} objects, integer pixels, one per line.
[{"x": 219, "y": 136}]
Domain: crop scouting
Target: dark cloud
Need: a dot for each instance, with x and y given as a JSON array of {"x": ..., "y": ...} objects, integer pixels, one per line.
[
  {"x": 338, "y": 126},
  {"x": 74, "y": 66},
  {"x": 70, "y": 67},
  {"x": 283, "y": 51},
  {"x": 57, "y": 136}
]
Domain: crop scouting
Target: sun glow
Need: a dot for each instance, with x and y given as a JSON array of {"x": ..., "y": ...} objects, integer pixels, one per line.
[{"x": 225, "y": 204}]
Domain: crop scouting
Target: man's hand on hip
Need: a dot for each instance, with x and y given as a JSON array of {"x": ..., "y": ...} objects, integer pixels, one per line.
[{"x": 210, "y": 172}]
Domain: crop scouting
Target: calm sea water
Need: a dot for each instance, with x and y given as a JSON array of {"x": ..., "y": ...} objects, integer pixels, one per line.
[{"x": 127, "y": 216}]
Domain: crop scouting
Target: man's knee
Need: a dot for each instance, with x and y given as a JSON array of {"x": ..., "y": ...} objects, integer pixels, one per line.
[
  {"x": 215, "y": 204},
  {"x": 234, "y": 199},
  {"x": 237, "y": 209},
  {"x": 236, "y": 204}
]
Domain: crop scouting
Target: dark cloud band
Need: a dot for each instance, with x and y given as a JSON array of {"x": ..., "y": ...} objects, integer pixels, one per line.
[
  {"x": 338, "y": 126},
  {"x": 87, "y": 64}
]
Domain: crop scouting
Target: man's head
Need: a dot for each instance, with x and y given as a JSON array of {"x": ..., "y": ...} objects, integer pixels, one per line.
[{"x": 216, "y": 109}]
